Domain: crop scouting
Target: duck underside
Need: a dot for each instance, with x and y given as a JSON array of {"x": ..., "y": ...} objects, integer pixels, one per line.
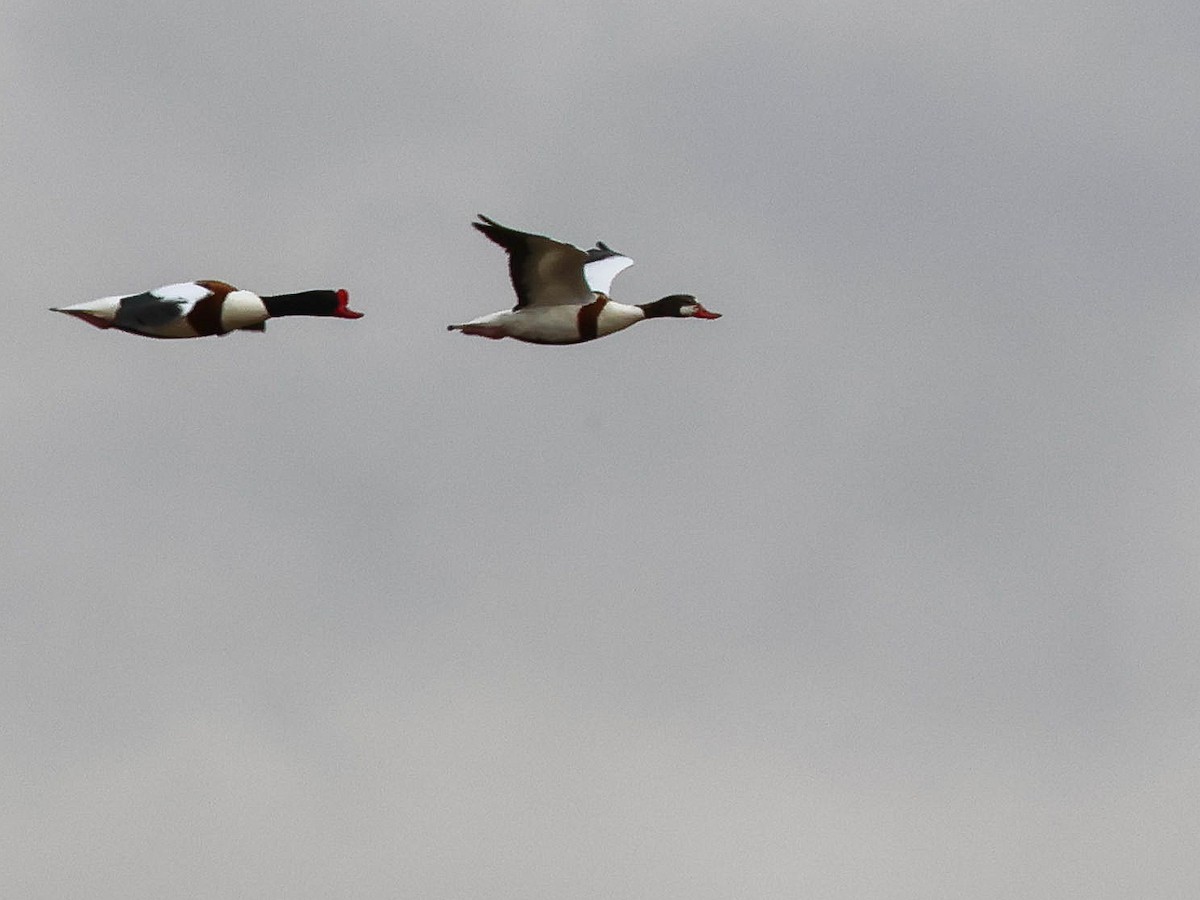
[{"x": 565, "y": 324}]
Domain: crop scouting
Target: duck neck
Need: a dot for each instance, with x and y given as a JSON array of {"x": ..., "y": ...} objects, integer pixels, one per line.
[
  {"x": 658, "y": 309},
  {"x": 310, "y": 303}
]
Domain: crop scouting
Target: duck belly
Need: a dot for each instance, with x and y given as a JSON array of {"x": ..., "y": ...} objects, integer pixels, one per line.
[
  {"x": 533, "y": 325},
  {"x": 545, "y": 324}
]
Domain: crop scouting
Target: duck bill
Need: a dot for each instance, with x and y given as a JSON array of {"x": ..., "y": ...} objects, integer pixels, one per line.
[
  {"x": 702, "y": 313},
  {"x": 343, "y": 310}
]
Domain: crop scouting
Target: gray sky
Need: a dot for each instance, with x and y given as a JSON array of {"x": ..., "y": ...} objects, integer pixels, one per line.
[{"x": 883, "y": 586}]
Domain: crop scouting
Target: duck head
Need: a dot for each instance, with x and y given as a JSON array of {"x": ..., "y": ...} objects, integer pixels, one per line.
[{"x": 678, "y": 306}]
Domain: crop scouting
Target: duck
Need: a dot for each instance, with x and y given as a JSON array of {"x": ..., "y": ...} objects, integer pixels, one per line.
[
  {"x": 562, "y": 292},
  {"x": 193, "y": 309}
]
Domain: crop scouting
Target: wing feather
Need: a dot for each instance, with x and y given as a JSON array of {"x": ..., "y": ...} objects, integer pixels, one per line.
[
  {"x": 544, "y": 272},
  {"x": 602, "y": 266}
]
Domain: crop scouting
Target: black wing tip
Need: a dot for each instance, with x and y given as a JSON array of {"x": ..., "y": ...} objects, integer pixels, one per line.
[
  {"x": 601, "y": 251},
  {"x": 505, "y": 237},
  {"x": 488, "y": 227}
]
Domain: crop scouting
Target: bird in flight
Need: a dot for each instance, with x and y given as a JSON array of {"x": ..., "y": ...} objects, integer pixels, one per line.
[
  {"x": 562, "y": 292},
  {"x": 201, "y": 308}
]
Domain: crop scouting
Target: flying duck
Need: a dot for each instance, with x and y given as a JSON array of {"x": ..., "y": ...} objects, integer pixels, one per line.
[
  {"x": 201, "y": 308},
  {"x": 562, "y": 292}
]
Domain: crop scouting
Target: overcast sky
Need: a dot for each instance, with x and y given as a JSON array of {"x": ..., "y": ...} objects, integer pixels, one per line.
[{"x": 885, "y": 585}]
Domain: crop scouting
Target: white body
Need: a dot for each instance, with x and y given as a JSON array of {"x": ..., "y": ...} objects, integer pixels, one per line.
[
  {"x": 557, "y": 324},
  {"x": 240, "y": 309}
]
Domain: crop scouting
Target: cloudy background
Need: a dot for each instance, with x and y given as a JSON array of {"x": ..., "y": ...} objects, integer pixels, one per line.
[{"x": 883, "y": 586}]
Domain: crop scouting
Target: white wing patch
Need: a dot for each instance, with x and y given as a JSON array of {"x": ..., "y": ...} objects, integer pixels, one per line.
[
  {"x": 600, "y": 273},
  {"x": 188, "y": 291}
]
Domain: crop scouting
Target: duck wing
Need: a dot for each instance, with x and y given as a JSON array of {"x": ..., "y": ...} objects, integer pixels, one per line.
[
  {"x": 163, "y": 305},
  {"x": 546, "y": 272},
  {"x": 602, "y": 266}
]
